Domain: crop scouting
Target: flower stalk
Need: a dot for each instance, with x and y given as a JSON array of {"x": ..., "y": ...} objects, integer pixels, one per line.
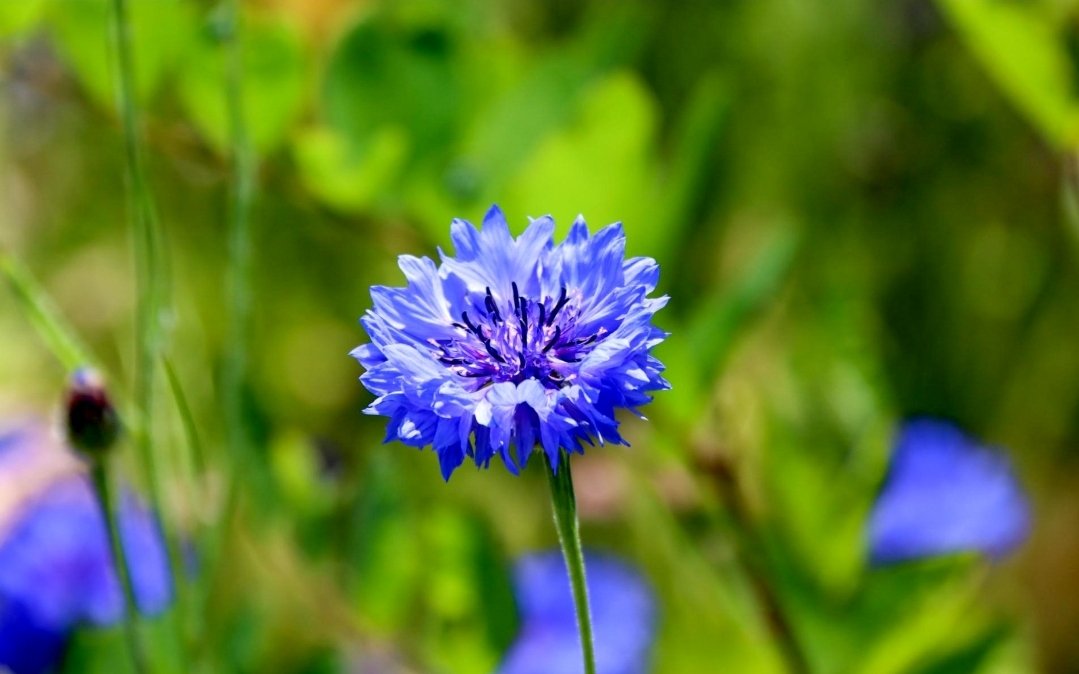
[
  {"x": 93, "y": 428},
  {"x": 151, "y": 284},
  {"x": 110, "y": 513},
  {"x": 242, "y": 186},
  {"x": 564, "y": 505},
  {"x": 149, "y": 279},
  {"x": 238, "y": 281}
]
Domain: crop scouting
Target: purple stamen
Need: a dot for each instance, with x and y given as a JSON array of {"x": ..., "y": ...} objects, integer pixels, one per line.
[
  {"x": 524, "y": 323},
  {"x": 562, "y": 299},
  {"x": 492, "y": 308},
  {"x": 554, "y": 339}
]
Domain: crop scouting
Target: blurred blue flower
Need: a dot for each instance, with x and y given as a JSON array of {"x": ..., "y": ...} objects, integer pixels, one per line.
[
  {"x": 945, "y": 493},
  {"x": 514, "y": 342},
  {"x": 623, "y": 618},
  {"x": 56, "y": 569}
]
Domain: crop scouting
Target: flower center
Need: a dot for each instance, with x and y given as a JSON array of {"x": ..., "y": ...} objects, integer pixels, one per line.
[{"x": 528, "y": 339}]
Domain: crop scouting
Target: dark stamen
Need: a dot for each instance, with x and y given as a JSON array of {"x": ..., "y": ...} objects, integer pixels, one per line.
[
  {"x": 491, "y": 350},
  {"x": 585, "y": 341},
  {"x": 524, "y": 323},
  {"x": 516, "y": 298},
  {"x": 554, "y": 338},
  {"x": 562, "y": 299},
  {"x": 473, "y": 328},
  {"x": 543, "y": 314},
  {"x": 492, "y": 308}
]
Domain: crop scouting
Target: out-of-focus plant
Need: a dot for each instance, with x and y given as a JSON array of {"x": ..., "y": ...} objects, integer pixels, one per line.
[
  {"x": 624, "y": 611},
  {"x": 945, "y": 494},
  {"x": 58, "y": 567}
]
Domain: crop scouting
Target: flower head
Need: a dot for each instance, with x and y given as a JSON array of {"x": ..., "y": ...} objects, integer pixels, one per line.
[
  {"x": 514, "y": 342},
  {"x": 623, "y": 617},
  {"x": 56, "y": 569},
  {"x": 945, "y": 493}
]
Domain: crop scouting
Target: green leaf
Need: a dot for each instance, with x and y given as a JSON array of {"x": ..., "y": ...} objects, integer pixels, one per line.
[
  {"x": 599, "y": 165},
  {"x": 685, "y": 186},
  {"x": 82, "y": 29},
  {"x": 19, "y": 17},
  {"x": 98, "y": 651},
  {"x": 345, "y": 176},
  {"x": 1023, "y": 50},
  {"x": 542, "y": 93},
  {"x": 59, "y": 336},
  {"x": 697, "y": 358},
  {"x": 384, "y": 549},
  {"x": 468, "y": 592},
  {"x": 384, "y": 75},
  {"x": 934, "y": 622},
  {"x": 722, "y": 317},
  {"x": 273, "y": 84},
  {"x": 506, "y": 133}
]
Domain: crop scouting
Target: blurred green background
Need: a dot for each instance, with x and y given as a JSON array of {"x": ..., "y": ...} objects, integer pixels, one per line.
[{"x": 863, "y": 211}]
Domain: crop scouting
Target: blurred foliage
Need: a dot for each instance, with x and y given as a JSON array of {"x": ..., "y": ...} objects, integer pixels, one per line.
[{"x": 857, "y": 211}]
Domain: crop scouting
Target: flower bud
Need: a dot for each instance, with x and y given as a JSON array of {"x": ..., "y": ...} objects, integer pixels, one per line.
[{"x": 92, "y": 423}]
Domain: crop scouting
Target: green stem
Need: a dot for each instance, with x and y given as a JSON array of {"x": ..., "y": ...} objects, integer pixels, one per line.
[
  {"x": 238, "y": 271},
  {"x": 45, "y": 317},
  {"x": 564, "y": 505},
  {"x": 111, "y": 514},
  {"x": 187, "y": 419},
  {"x": 239, "y": 240},
  {"x": 150, "y": 282},
  {"x": 239, "y": 268},
  {"x": 238, "y": 285},
  {"x": 147, "y": 267}
]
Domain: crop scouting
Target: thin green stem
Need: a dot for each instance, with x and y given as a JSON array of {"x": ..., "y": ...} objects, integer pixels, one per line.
[
  {"x": 187, "y": 419},
  {"x": 239, "y": 267},
  {"x": 46, "y": 318},
  {"x": 238, "y": 285},
  {"x": 238, "y": 272},
  {"x": 239, "y": 240},
  {"x": 150, "y": 279},
  {"x": 184, "y": 596},
  {"x": 147, "y": 263},
  {"x": 564, "y": 504},
  {"x": 110, "y": 512}
]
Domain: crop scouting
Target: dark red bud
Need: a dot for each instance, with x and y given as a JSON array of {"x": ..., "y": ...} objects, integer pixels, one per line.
[{"x": 92, "y": 423}]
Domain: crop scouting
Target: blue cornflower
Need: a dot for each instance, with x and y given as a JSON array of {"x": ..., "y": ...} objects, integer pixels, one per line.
[
  {"x": 56, "y": 569},
  {"x": 945, "y": 493},
  {"x": 623, "y": 617},
  {"x": 514, "y": 343}
]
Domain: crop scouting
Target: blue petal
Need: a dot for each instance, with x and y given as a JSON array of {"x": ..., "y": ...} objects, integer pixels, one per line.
[
  {"x": 496, "y": 231},
  {"x": 466, "y": 239},
  {"x": 641, "y": 272},
  {"x": 447, "y": 444},
  {"x": 57, "y": 558},
  {"x": 26, "y": 645},
  {"x": 944, "y": 494}
]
